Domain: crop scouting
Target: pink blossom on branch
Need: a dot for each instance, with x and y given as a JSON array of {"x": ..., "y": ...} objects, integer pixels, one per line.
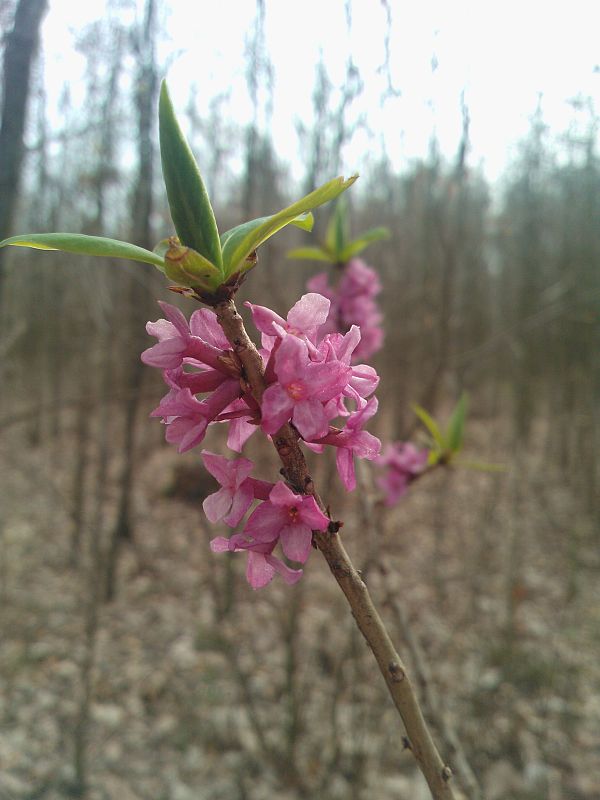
[
  {"x": 303, "y": 387},
  {"x": 402, "y": 462},
  {"x": 237, "y": 491},
  {"x": 187, "y": 418},
  {"x": 310, "y": 380},
  {"x": 285, "y": 517},
  {"x": 304, "y": 318},
  {"x": 289, "y": 517},
  {"x": 353, "y": 303},
  {"x": 262, "y": 564},
  {"x": 202, "y": 339},
  {"x": 354, "y": 441}
]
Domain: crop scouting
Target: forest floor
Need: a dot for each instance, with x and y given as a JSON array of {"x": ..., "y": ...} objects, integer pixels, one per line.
[{"x": 201, "y": 689}]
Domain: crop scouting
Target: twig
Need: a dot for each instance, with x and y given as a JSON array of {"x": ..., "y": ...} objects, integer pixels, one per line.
[
  {"x": 429, "y": 697},
  {"x": 436, "y": 773},
  {"x": 432, "y": 704}
]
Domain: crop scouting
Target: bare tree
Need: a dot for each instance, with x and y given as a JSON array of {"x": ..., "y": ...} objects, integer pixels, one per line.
[
  {"x": 141, "y": 234},
  {"x": 19, "y": 53}
]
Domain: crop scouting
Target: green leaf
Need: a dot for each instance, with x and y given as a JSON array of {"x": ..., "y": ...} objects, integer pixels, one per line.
[
  {"x": 310, "y": 254},
  {"x": 358, "y": 245},
  {"x": 192, "y": 213},
  {"x": 433, "y": 457},
  {"x": 304, "y": 221},
  {"x": 233, "y": 237},
  {"x": 456, "y": 425},
  {"x": 337, "y": 230},
  {"x": 84, "y": 245},
  {"x": 240, "y": 242},
  {"x": 431, "y": 426}
]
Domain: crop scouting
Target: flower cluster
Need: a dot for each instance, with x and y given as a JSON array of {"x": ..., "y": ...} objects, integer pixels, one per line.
[
  {"x": 353, "y": 303},
  {"x": 311, "y": 381},
  {"x": 283, "y": 517},
  {"x": 403, "y": 462}
]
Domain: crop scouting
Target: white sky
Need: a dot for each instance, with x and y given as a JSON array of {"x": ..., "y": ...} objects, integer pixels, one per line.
[{"x": 502, "y": 54}]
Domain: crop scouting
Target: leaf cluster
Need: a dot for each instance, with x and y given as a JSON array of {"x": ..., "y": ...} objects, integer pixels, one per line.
[
  {"x": 445, "y": 443},
  {"x": 338, "y": 248},
  {"x": 198, "y": 258}
]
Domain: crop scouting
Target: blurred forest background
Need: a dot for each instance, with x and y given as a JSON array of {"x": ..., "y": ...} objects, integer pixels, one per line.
[{"x": 136, "y": 664}]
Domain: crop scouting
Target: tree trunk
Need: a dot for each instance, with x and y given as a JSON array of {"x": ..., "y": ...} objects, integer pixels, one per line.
[
  {"x": 141, "y": 234},
  {"x": 20, "y": 49}
]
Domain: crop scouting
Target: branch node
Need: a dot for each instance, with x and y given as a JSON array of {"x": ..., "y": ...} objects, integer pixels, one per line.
[
  {"x": 446, "y": 773},
  {"x": 396, "y": 672}
]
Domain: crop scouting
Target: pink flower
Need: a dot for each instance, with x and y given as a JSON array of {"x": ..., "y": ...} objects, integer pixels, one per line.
[
  {"x": 359, "y": 280},
  {"x": 242, "y": 422},
  {"x": 362, "y": 378},
  {"x": 289, "y": 517},
  {"x": 197, "y": 382},
  {"x": 262, "y": 565},
  {"x": 187, "y": 418},
  {"x": 353, "y": 303},
  {"x": 302, "y": 389},
  {"x": 237, "y": 491},
  {"x": 202, "y": 339},
  {"x": 303, "y": 319},
  {"x": 403, "y": 463},
  {"x": 354, "y": 441}
]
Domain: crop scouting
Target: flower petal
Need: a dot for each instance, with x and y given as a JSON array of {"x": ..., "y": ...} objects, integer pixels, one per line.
[
  {"x": 166, "y": 354},
  {"x": 218, "y": 504},
  {"x": 311, "y": 514},
  {"x": 240, "y": 430},
  {"x": 296, "y": 542},
  {"x": 204, "y": 325},
  {"x": 310, "y": 418},
  {"x": 264, "y": 318},
  {"x": 176, "y": 318},
  {"x": 259, "y": 571},
  {"x": 265, "y": 522},
  {"x": 282, "y": 496},
  {"x": 242, "y": 500},
  {"x": 277, "y": 407},
  {"x": 290, "y": 576},
  {"x": 345, "y": 467},
  {"x": 309, "y": 313},
  {"x": 162, "y": 330},
  {"x": 220, "y": 545},
  {"x": 291, "y": 360}
]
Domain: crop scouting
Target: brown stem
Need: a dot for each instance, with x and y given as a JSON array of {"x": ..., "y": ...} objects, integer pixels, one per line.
[{"x": 295, "y": 469}]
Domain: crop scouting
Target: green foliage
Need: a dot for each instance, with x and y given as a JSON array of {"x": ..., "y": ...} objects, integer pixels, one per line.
[
  {"x": 338, "y": 248},
  {"x": 356, "y": 246},
  {"x": 456, "y": 425},
  {"x": 431, "y": 425},
  {"x": 445, "y": 445},
  {"x": 192, "y": 213},
  {"x": 197, "y": 258},
  {"x": 84, "y": 245},
  {"x": 240, "y": 243}
]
